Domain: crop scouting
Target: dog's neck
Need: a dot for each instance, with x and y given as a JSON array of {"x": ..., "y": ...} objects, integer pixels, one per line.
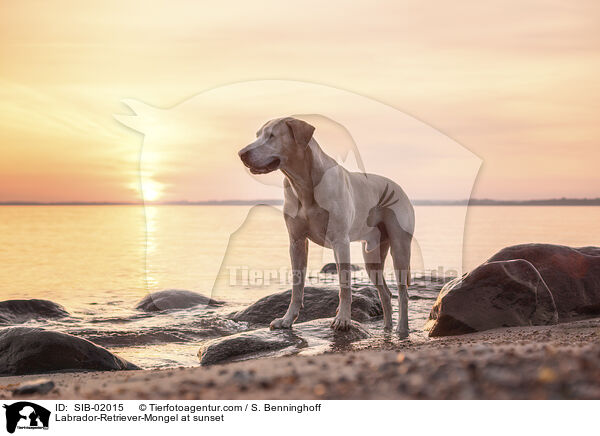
[{"x": 307, "y": 173}]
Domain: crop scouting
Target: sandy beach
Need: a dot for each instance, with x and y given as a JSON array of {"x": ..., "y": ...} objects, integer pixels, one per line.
[{"x": 550, "y": 362}]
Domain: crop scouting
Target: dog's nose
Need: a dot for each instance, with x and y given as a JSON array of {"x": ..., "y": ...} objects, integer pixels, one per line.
[{"x": 244, "y": 155}]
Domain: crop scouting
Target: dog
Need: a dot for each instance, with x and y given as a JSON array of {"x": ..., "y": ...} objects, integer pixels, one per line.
[{"x": 332, "y": 207}]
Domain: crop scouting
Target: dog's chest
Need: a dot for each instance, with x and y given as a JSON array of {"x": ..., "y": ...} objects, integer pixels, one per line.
[{"x": 316, "y": 221}]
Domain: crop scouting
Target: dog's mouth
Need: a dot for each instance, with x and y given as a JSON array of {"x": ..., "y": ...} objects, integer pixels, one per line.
[{"x": 271, "y": 166}]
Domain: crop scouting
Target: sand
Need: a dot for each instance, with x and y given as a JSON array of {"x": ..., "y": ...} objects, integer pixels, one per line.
[{"x": 551, "y": 362}]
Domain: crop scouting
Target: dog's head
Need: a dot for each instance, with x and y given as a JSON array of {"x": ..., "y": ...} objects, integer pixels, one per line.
[{"x": 277, "y": 142}]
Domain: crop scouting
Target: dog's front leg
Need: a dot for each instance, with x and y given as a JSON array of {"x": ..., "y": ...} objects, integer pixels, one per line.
[
  {"x": 342, "y": 258},
  {"x": 299, "y": 256}
]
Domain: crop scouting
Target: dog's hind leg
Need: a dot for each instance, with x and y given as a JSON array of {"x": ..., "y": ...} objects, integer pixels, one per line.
[
  {"x": 299, "y": 256},
  {"x": 374, "y": 263},
  {"x": 400, "y": 244}
]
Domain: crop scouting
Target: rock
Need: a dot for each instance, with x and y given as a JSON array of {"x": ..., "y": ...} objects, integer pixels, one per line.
[
  {"x": 26, "y": 350},
  {"x": 572, "y": 275},
  {"x": 264, "y": 342},
  {"x": 246, "y": 345},
  {"x": 590, "y": 251},
  {"x": 40, "y": 387},
  {"x": 331, "y": 268},
  {"x": 20, "y": 311},
  {"x": 171, "y": 299},
  {"x": 318, "y": 303},
  {"x": 530, "y": 284},
  {"x": 495, "y": 294}
]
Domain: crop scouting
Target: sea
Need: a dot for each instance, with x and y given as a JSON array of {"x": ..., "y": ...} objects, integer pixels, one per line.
[{"x": 100, "y": 261}]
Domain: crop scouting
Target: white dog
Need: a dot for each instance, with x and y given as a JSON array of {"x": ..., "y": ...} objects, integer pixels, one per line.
[{"x": 333, "y": 207}]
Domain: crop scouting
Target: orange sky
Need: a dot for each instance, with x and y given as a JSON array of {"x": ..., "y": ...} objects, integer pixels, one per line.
[{"x": 516, "y": 82}]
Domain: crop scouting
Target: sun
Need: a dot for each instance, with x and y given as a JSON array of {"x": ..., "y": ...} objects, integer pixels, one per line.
[{"x": 151, "y": 190}]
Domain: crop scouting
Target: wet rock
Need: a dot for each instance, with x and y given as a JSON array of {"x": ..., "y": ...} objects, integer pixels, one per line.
[
  {"x": 20, "y": 311},
  {"x": 245, "y": 345},
  {"x": 171, "y": 299},
  {"x": 530, "y": 284},
  {"x": 318, "y": 303},
  {"x": 590, "y": 251},
  {"x": 264, "y": 342},
  {"x": 572, "y": 275},
  {"x": 331, "y": 268},
  {"x": 496, "y": 294},
  {"x": 36, "y": 387},
  {"x": 34, "y": 351}
]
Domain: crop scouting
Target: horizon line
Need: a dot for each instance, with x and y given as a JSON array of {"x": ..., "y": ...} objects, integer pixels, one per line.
[{"x": 564, "y": 201}]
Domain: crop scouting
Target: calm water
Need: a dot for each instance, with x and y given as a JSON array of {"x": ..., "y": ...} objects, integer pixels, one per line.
[{"x": 99, "y": 261}]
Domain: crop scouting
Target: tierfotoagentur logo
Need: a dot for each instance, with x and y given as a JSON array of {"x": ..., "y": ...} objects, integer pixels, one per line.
[{"x": 25, "y": 415}]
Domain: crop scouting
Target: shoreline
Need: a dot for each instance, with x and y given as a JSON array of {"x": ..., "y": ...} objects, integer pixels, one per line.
[{"x": 555, "y": 362}]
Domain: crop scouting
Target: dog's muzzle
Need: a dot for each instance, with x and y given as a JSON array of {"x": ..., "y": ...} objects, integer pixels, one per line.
[{"x": 264, "y": 169}]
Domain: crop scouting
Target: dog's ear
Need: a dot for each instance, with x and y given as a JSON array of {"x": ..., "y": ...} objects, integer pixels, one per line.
[{"x": 301, "y": 130}]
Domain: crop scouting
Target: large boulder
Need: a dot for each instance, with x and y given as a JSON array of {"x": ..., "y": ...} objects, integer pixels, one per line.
[
  {"x": 496, "y": 294},
  {"x": 20, "y": 311},
  {"x": 572, "y": 275},
  {"x": 590, "y": 251},
  {"x": 171, "y": 299},
  {"x": 26, "y": 350},
  {"x": 318, "y": 303},
  {"x": 264, "y": 342},
  {"x": 530, "y": 284}
]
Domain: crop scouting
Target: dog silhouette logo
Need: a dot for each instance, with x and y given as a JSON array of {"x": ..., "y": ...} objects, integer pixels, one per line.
[{"x": 26, "y": 415}]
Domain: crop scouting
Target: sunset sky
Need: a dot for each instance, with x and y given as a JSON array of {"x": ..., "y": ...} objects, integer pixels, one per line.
[{"x": 515, "y": 82}]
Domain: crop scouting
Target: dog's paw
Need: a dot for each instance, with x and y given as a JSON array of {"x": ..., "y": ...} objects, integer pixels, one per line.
[
  {"x": 281, "y": 323},
  {"x": 402, "y": 333},
  {"x": 341, "y": 323}
]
